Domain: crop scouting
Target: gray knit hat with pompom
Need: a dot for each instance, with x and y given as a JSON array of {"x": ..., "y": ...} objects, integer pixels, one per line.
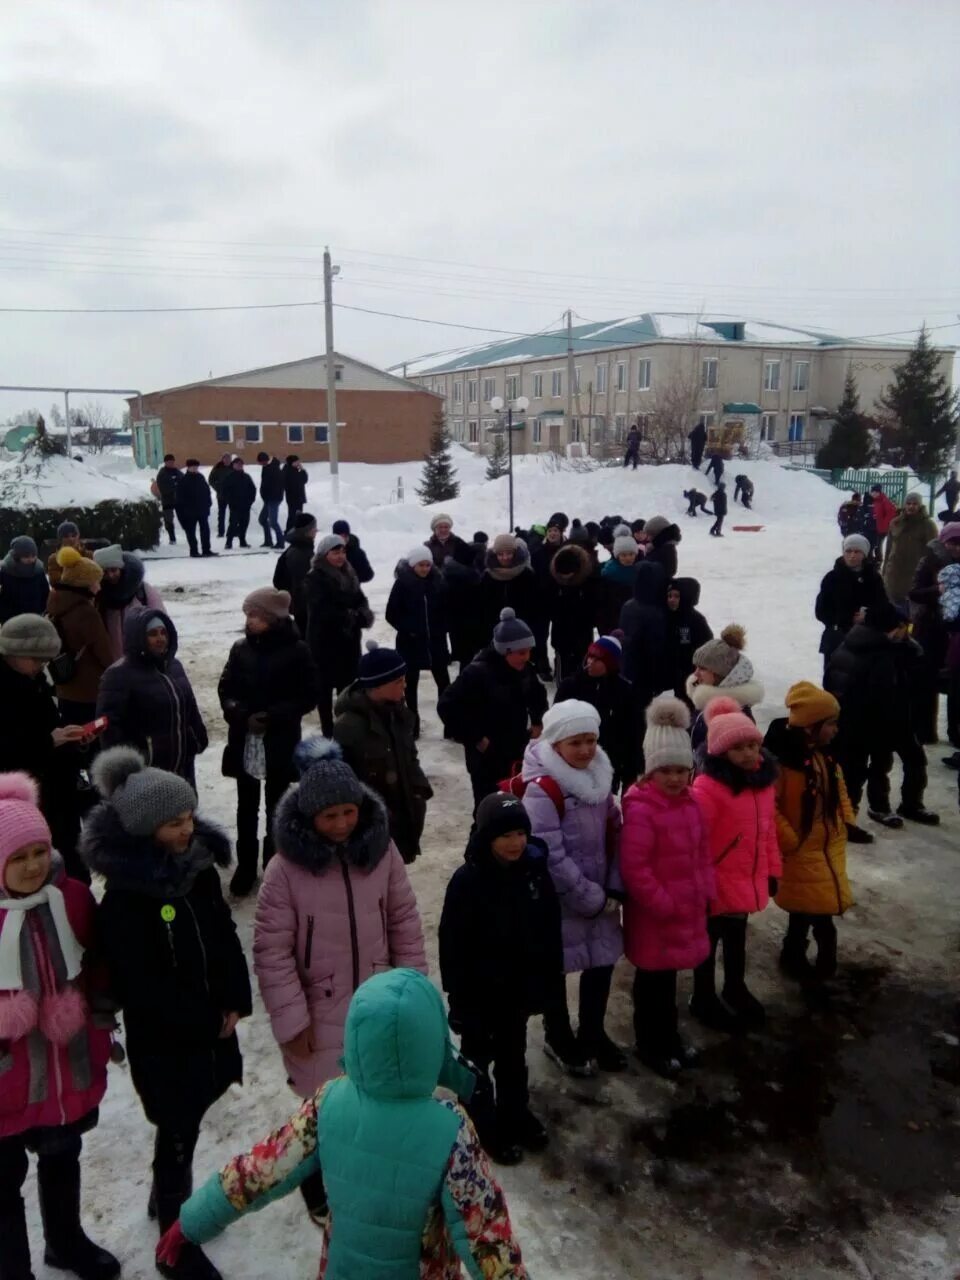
[
  {"x": 142, "y": 797},
  {"x": 667, "y": 740},
  {"x": 325, "y": 777},
  {"x": 511, "y": 634}
]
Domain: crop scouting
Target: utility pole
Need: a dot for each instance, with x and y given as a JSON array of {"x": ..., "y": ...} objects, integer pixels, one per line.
[
  {"x": 333, "y": 444},
  {"x": 570, "y": 375}
]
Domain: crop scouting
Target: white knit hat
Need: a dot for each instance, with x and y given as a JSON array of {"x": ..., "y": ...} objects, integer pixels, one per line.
[
  {"x": 856, "y": 542},
  {"x": 667, "y": 740},
  {"x": 418, "y": 555},
  {"x": 567, "y": 719}
]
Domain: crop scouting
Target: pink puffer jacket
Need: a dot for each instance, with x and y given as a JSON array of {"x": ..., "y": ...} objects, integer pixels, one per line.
[
  {"x": 668, "y": 876},
  {"x": 742, "y": 831},
  {"x": 328, "y": 918}
]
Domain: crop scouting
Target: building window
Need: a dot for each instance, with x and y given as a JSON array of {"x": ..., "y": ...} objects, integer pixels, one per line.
[
  {"x": 620, "y": 428},
  {"x": 473, "y": 427},
  {"x": 575, "y": 429},
  {"x": 223, "y": 434},
  {"x": 556, "y": 383},
  {"x": 601, "y": 379},
  {"x": 768, "y": 426},
  {"x": 338, "y": 373},
  {"x": 513, "y": 386},
  {"x": 801, "y": 378},
  {"x": 537, "y": 436},
  {"x": 795, "y": 431},
  {"x": 321, "y": 434},
  {"x": 643, "y": 422},
  {"x": 538, "y": 386},
  {"x": 576, "y": 379},
  {"x": 709, "y": 371},
  {"x": 294, "y": 433},
  {"x": 253, "y": 433},
  {"x": 440, "y": 387},
  {"x": 458, "y": 429},
  {"x": 458, "y": 393},
  {"x": 771, "y": 375},
  {"x": 472, "y": 390},
  {"x": 489, "y": 389},
  {"x": 706, "y": 419},
  {"x": 643, "y": 375},
  {"x": 621, "y": 383}
]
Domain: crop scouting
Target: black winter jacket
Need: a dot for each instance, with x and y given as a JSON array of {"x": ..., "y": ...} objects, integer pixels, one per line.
[
  {"x": 460, "y": 594},
  {"x": 357, "y": 558},
  {"x": 218, "y": 473},
  {"x": 168, "y": 482},
  {"x": 272, "y": 673},
  {"x": 415, "y": 611},
  {"x": 440, "y": 550},
  {"x": 611, "y": 697},
  {"x": 687, "y": 630},
  {"x": 842, "y": 593},
  {"x": 929, "y": 628},
  {"x": 489, "y": 699},
  {"x": 337, "y": 612},
  {"x": 643, "y": 621},
  {"x": 290, "y": 572},
  {"x": 515, "y": 588},
  {"x": 500, "y": 943},
  {"x": 572, "y": 602},
  {"x": 294, "y": 485},
  {"x": 271, "y": 481},
  {"x": 880, "y": 684},
  {"x": 174, "y": 975},
  {"x": 150, "y": 703},
  {"x": 22, "y": 593},
  {"x": 193, "y": 496},
  {"x": 238, "y": 490},
  {"x": 719, "y": 501},
  {"x": 664, "y": 549}
]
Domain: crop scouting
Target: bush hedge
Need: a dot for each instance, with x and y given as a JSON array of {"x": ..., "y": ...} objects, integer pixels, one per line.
[{"x": 135, "y": 525}]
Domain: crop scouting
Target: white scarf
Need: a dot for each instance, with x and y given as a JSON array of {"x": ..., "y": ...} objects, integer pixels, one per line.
[
  {"x": 11, "y": 975},
  {"x": 589, "y": 786}
]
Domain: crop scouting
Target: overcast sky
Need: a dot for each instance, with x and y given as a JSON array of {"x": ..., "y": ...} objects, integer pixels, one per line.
[{"x": 487, "y": 163}]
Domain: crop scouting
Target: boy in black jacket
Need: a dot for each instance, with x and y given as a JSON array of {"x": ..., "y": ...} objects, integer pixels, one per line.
[
  {"x": 599, "y": 682},
  {"x": 501, "y": 957},
  {"x": 719, "y": 501}
]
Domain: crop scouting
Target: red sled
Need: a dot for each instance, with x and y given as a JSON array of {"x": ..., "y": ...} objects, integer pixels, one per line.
[
  {"x": 748, "y": 528},
  {"x": 516, "y": 786}
]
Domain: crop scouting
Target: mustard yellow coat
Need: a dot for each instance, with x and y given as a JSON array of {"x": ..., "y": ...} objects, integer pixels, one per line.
[{"x": 814, "y": 879}]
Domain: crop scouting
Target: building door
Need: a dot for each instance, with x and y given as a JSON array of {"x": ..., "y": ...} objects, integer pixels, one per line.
[
  {"x": 555, "y": 436},
  {"x": 148, "y": 443}
]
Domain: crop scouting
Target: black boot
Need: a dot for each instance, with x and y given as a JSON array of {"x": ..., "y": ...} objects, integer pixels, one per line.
[
  {"x": 917, "y": 813},
  {"x": 193, "y": 1263},
  {"x": 67, "y": 1247},
  {"x": 705, "y": 1005},
  {"x": 245, "y": 876},
  {"x": 14, "y": 1243}
]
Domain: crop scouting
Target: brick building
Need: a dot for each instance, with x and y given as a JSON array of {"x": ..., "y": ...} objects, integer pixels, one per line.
[{"x": 282, "y": 409}]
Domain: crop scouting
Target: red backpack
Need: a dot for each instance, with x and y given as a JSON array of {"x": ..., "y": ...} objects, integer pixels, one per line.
[{"x": 516, "y": 785}]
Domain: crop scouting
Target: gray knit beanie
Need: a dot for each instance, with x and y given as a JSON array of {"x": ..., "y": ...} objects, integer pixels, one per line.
[
  {"x": 329, "y": 542},
  {"x": 721, "y": 654},
  {"x": 29, "y": 636},
  {"x": 856, "y": 542},
  {"x": 67, "y": 529},
  {"x": 109, "y": 557},
  {"x": 625, "y": 545},
  {"x": 22, "y": 546},
  {"x": 440, "y": 518},
  {"x": 142, "y": 797},
  {"x": 325, "y": 777},
  {"x": 511, "y": 634}
]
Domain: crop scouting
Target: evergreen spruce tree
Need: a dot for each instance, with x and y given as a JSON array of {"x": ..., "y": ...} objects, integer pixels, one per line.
[
  {"x": 497, "y": 465},
  {"x": 923, "y": 408},
  {"x": 849, "y": 444},
  {"x": 439, "y": 483}
]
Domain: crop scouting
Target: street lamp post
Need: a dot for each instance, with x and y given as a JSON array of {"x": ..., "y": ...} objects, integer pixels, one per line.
[{"x": 521, "y": 404}]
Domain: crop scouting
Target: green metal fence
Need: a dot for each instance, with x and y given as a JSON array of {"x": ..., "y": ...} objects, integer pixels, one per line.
[{"x": 893, "y": 483}]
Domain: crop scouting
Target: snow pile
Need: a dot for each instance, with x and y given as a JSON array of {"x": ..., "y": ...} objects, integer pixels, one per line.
[{"x": 57, "y": 481}]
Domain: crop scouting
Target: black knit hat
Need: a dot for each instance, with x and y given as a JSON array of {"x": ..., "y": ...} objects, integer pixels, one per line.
[
  {"x": 304, "y": 520},
  {"x": 499, "y": 813},
  {"x": 884, "y": 617},
  {"x": 380, "y": 666},
  {"x": 559, "y": 520}
]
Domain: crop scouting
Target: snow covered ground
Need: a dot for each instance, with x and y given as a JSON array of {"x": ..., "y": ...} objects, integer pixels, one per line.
[{"x": 825, "y": 1147}]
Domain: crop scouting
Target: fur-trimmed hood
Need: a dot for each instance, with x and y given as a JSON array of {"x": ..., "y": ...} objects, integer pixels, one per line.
[
  {"x": 590, "y": 786},
  {"x": 748, "y": 694},
  {"x": 139, "y": 865},
  {"x": 295, "y": 838},
  {"x": 583, "y": 570},
  {"x": 721, "y": 770},
  {"x": 520, "y": 562}
]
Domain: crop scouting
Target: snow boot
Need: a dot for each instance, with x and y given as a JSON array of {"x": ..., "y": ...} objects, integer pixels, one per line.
[
  {"x": 530, "y": 1133},
  {"x": 193, "y": 1263},
  {"x": 67, "y": 1246},
  {"x": 746, "y": 1008},
  {"x": 952, "y": 762},
  {"x": 857, "y": 835},
  {"x": 794, "y": 962},
  {"x": 885, "y": 818},
  {"x": 605, "y": 1053},
  {"x": 569, "y": 1056},
  {"x": 14, "y": 1244},
  {"x": 710, "y": 1011},
  {"x": 662, "y": 1063},
  {"x": 926, "y": 817}
]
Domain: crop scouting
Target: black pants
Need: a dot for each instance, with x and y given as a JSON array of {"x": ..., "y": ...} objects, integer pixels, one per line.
[
  {"x": 655, "y": 1010},
  {"x": 731, "y": 932},
  {"x": 58, "y": 1182},
  {"x": 861, "y": 764},
  {"x": 292, "y": 513},
  {"x": 221, "y": 516},
  {"x": 190, "y": 525},
  {"x": 248, "y": 815},
  {"x": 824, "y": 935},
  {"x": 567, "y": 662},
  {"x": 717, "y": 527},
  {"x": 237, "y": 524},
  {"x": 440, "y": 675},
  {"x": 633, "y": 456},
  {"x": 694, "y": 507},
  {"x": 501, "y": 1045},
  {"x": 169, "y": 523},
  {"x": 594, "y": 994},
  {"x": 173, "y": 1149}
]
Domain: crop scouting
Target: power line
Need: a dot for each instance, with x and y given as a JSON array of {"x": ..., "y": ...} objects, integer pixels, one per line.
[{"x": 104, "y": 311}]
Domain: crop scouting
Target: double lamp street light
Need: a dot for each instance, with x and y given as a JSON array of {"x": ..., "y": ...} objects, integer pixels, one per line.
[{"x": 518, "y": 406}]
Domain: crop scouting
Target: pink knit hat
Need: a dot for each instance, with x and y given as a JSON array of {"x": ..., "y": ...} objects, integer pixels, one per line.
[
  {"x": 21, "y": 822},
  {"x": 728, "y": 726}
]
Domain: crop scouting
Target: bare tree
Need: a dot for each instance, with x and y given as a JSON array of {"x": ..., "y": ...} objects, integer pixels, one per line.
[
  {"x": 673, "y": 409},
  {"x": 97, "y": 425}
]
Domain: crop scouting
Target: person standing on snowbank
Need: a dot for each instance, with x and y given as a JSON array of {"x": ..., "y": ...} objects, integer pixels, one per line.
[
  {"x": 54, "y": 1047},
  {"x": 175, "y": 963},
  {"x": 397, "y": 1051},
  {"x": 294, "y": 478},
  {"x": 272, "y": 493},
  {"x": 165, "y": 486},
  {"x": 719, "y": 501},
  {"x": 193, "y": 509},
  {"x": 698, "y": 441},
  {"x": 910, "y": 534},
  {"x": 337, "y": 613},
  {"x": 442, "y": 541}
]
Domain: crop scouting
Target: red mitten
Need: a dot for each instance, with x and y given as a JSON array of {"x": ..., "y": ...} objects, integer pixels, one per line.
[{"x": 170, "y": 1244}]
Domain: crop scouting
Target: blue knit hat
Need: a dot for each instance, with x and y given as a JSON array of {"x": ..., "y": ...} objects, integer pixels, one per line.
[
  {"x": 511, "y": 634},
  {"x": 380, "y": 666}
]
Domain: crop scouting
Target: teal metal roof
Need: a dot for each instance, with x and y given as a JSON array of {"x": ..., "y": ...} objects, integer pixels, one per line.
[{"x": 741, "y": 406}]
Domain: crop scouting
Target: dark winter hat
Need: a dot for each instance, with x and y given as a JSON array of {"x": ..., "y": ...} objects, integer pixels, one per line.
[
  {"x": 637, "y": 526},
  {"x": 29, "y": 636},
  {"x": 341, "y": 527},
  {"x": 193, "y": 462},
  {"x": 292, "y": 457},
  {"x": 325, "y": 777},
  {"x": 23, "y": 546},
  {"x": 380, "y": 666},
  {"x": 559, "y": 520},
  {"x": 579, "y": 536},
  {"x": 263, "y": 457},
  {"x": 67, "y": 529},
  {"x": 567, "y": 560},
  {"x": 482, "y": 537},
  {"x": 169, "y": 457},
  {"x": 142, "y": 797},
  {"x": 608, "y": 650},
  {"x": 304, "y": 521},
  {"x": 655, "y": 525},
  {"x": 884, "y": 616},
  {"x": 273, "y": 604},
  {"x": 950, "y": 532},
  {"x": 511, "y": 634},
  {"x": 499, "y": 813}
]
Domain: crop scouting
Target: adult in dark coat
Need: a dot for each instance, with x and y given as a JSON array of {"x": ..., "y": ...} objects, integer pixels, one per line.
[
  {"x": 646, "y": 666},
  {"x": 572, "y": 602},
  {"x": 293, "y": 566},
  {"x": 719, "y": 501},
  {"x": 851, "y": 587},
  {"x": 32, "y": 735},
  {"x": 294, "y": 487},
  {"x": 950, "y": 489},
  {"x": 268, "y": 685},
  {"x": 165, "y": 486},
  {"x": 930, "y": 631},
  {"x": 509, "y": 582},
  {"x": 218, "y": 473},
  {"x": 459, "y": 580},
  {"x": 272, "y": 494},
  {"x": 541, "y": 558},
  {"x": 376, "y": 731},
  {"x": 662, "y": 540},
  {"x": 632, "y": 451},
  {"x": 174, "y": 960},
  {"x": 698, "y": 441},
  {"x": 879, "y": 678},
  {"x": 600, "y": 683},
  {"x": 442, "y": 541},
  {"x": 337, "y": 612},
  {"x": 687, "y": 630},
  {"x": 149, "y": 700},
  {"x": 415, "y": 611},
  {"x": 239, "y": 493},
  {"x": 851, "y": 515},
  {"x": 715, "y": 465},
  {"x": 193, "y": 508},
  {"x": 495, "y": 705},
  {"x": 501, "y": 958},
  {"x": 23, "y": 584},
  {"x": 356, "y": 556}
]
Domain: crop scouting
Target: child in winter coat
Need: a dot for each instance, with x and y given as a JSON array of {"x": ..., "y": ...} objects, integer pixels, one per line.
[
  {"x": 735, "y": 794},
  {"x": 599, "y": 682},
  {"x": 175, "y": 963},
  {"x": 501, "y": 960},
  {"x": 53, "y": 1055},
  {"x": 948, "y": 580},
  {"x": 23, "y": 583},
  {"x": 668, "y": 876},
  {"x": 721, "y": 670},
  {"x": 813, "y": 811},
  {"x": 416, "y": 1196},
  {"x": 334, "y": 907},
  {"x": 568, "y": 797}
]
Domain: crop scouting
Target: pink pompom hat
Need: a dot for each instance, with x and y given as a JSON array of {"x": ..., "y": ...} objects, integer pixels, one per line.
[{"x": 21, "y": 822}]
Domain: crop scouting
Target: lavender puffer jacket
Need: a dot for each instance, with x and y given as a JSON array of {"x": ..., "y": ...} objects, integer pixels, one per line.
[
  {"x": 582, "y": 851},
  {"x": 328, "y": 917}
]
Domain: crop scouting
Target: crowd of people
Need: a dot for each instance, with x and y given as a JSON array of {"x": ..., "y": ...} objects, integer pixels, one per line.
[{"x": 639, "y": 812}]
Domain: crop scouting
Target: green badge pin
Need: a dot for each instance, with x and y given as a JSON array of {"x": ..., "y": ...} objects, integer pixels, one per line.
[{"x": 167, "y": 913}]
